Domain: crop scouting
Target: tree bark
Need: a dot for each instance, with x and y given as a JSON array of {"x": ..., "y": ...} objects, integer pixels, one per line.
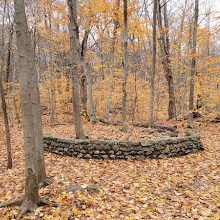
[
  {"x": 125, "y": 69},
  {"x": 193, "y": 66},
  {"x": 4, "y": 106},
  {"x": 165, "y": 48},
  {"x": 52, "y": 112},
  {"x": 151, "y": 116},
  {"x": 29, "y": 95},
  {"x": 135, "y": 98},
  {"x": 88, "y": 76},
  {"x": 113, "y": 60},
  {"x": 83, "y": 95},
  {"x": 35, "y": 175},
  {"x": 74, "y": 55},
  {"x": 7, "y": 131}
]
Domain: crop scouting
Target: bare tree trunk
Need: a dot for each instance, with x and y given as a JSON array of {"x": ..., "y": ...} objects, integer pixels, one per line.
[
  {"x": 165, "y": 45},
  {"x": 179, "y": 75},
  {"x": 4, "y": 107},
  {"x": 151, "y": 116},
  {"x": 90, "y": 96},
  {"x": 74, "y": 54},
  {"x": 35, "y": 174},
  {"x": 193, "y": 66},
  {"x": 7, "y": 132},
  {"x": 8, "y": 62},
  {"x": 116, "y": 26},
  {"x": 218, "y": 98},
  {"x": 88, "y": 76},
  {"x": 135, "y": 98},
  {"x": 83, "y": 95},
  {"x": 108, "y": 104},
  {"x": 51, "y": 68},
  {"x": 125, "y": 69}
]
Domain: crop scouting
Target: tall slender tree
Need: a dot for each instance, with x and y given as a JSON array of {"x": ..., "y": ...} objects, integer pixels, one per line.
[
  {"x": 125, "y": 68},
  {"x": 193, "y": 66},
  {"x": 35, "y": 175},
  {"x": 113, "y": 57},
  {"x": 165, "y": 49},
  {"x": 151, "y": 116},
  {"x": 74, "y": 56},
  {"x": 2, "y": 92},
  {"x": 7, "y": 131},
  {"x": 86, "y": 69}
]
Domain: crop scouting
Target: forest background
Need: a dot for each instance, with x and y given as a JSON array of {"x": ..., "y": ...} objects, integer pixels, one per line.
[{"x": 101, "y": 32}]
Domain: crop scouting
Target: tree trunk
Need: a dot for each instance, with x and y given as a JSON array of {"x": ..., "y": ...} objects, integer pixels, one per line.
[
  {"x": 165, "y": 48},
  {"x": 135, "y": 98},
  {"x": 29, "y": 95},
  {"x": 4, "y": 107},
  {"x": 151, "y": 116},
  {"x": 193, "y": 66},
  {"x": 8, "y": 62},
  {"x": 88, "y": 76},
  {"x": 125, "y": 69},
  {"x": 52, "y": 111},
  {"x": 83, "y": 95},
  {"x": 7, "y": 132},
  {"x": 113, "y": 60},
  {"x": 35, "y": 174},
  {"x": 90, "y": 96},
  {"x": 179, "y": 57},
  {"x": 74, "y": 55},
  {"x": 108, "y": 104}
]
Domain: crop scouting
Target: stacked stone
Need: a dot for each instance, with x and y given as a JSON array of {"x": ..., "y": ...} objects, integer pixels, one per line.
[{"x": 115, "y": 149}]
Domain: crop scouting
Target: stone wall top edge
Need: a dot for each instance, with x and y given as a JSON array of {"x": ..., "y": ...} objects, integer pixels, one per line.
[{"x": 48, "y": 136}]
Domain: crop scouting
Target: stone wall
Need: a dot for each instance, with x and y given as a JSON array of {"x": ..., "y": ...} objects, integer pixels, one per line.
[{"x": 116, "y": 149}]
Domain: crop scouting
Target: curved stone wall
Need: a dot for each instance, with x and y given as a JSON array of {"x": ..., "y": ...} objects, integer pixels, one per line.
[{"x": 116, "y": 149}]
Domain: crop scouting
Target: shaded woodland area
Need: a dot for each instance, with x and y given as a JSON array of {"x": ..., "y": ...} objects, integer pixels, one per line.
[{"x": 113, "y": 70}]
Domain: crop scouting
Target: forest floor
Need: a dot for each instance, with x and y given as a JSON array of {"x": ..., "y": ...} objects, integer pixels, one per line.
[{"x": 172, "y": 188}]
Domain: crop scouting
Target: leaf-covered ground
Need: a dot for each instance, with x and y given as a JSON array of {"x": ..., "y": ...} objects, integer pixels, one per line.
[{"x": 172, "y": 188}]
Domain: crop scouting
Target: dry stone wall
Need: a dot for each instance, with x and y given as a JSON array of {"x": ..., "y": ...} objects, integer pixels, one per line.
[{"x": 116, "y": 149}]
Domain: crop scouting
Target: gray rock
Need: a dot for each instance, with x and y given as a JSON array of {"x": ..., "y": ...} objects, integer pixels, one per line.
[
  {"x": 146, "y": 143},
  {"x": 140, "y": 157},
  {"x": 148, "y": 153},
  {"x": 161, "y": 156},
  {"x": 167, "y": 150},
  {"x": 119, "y": 153},
  {"x": 126, "y": 153},
  {"x": 115, "y": 147},
  {"x": 103, "y": 147},
  {"x": 88, "y": 187},
  {"x": 80, "y": 155},
  {"x": 87, "y": 156},
  {"x": 97, "y": 152},
  {"x": 112, "y": 156},
  {"x": 111, "y": 152}
]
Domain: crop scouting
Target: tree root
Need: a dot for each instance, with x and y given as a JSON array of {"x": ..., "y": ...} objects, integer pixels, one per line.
[
  {"x": 27, "y": 206},
  {"x": 17, "y": 202},
  {"x": 44, "y": 184},
  {"x": 44, "y": 202},
  {"x": 23, "y": 212}
]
